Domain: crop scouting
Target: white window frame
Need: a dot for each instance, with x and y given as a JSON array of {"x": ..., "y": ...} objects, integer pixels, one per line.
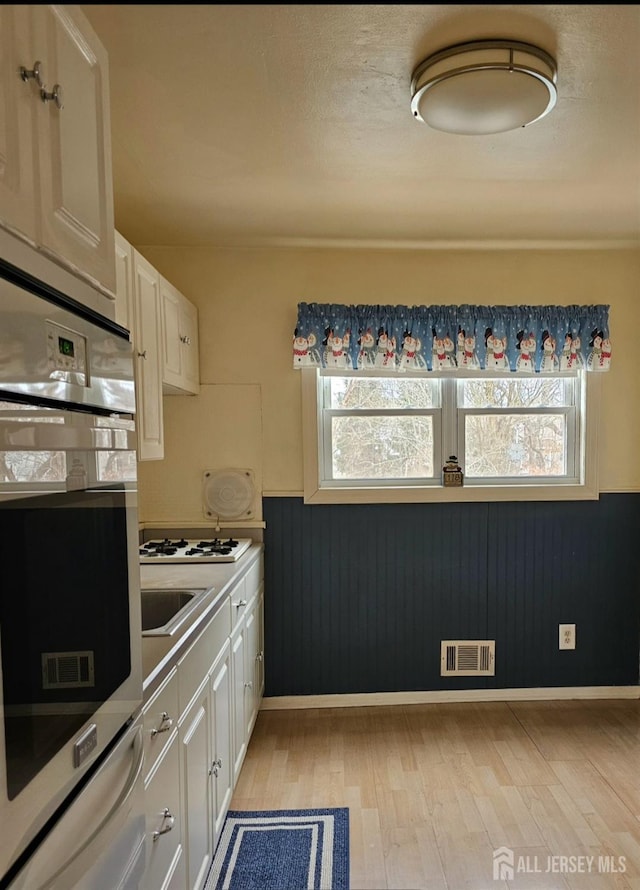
[{"x": 584, "y": 486}]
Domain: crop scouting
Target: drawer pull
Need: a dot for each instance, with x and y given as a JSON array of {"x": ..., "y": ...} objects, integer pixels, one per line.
[
  {"x": 169, "y": 819},
  {"x": 240, "y": 604},
  {"x": 215, "y": 766},
  {"x": 54, "y": 96},
  {"x": 165, "y": 724},
  {"x": 35, "y": 73}
]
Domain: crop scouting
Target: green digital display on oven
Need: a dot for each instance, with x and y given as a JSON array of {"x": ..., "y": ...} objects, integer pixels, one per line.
[{"x": 66, "y": 347}]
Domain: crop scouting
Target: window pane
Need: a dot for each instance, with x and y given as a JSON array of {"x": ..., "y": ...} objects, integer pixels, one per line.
[
  {"x": 515, "y": 445},
  {"x": 382, "y": 447},
  {"x": 380, "y": 392},
  {"x": 526, "y": 392}
]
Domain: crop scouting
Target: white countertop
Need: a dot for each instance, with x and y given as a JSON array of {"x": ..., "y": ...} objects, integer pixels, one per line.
[{"x": 160, "y": 653}]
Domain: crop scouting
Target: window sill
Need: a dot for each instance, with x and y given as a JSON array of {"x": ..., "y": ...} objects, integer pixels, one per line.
[{"x": 441, "y": 495}]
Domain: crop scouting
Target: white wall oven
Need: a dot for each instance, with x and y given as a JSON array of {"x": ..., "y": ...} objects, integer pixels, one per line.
[{"x": 70, "y": 666}]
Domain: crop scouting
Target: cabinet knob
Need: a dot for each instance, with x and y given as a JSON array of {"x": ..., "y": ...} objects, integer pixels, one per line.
[
  {"x": 35, "y": 73},
  {"x": 169, "y": 819},
  {"x": 54, "y": 96},
  {"x": 143, "y": 354},
  {"x": 248, "y": 684},
  {"x": 240, "y": 604},
  {"x": 165, "y": 724},
  {"x": 215, "y": 766},
  {"x": 186, "y": 340},
  {"x": 260, "y": 656}
]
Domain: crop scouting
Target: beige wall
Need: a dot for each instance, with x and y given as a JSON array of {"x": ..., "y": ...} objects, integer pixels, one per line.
[{"x": 248, "y": 414}]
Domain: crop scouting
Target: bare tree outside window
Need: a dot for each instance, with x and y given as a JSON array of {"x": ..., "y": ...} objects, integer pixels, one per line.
[
  {"x": 382, "y": 443},
  {"x": 515, "y": 442}
]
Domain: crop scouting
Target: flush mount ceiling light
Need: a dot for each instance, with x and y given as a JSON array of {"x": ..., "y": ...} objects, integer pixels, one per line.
[{"x": 483, "y": 87}]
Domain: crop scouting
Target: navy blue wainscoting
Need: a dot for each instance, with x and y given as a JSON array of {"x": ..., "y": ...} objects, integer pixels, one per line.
[{"x": 358, "y": 597}]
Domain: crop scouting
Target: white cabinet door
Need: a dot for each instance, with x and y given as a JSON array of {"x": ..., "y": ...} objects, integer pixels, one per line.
[
  {"x": 251, "y": 667},
  {"x": 221, "y": 765},
  {"x": 260, "y": 655},
  {"x": 74, "y": 143},
  {"x": 180, "y": 365},
  {"x": 124, "y": 284},
  {"x": 149, "y": 417},
  {"x": 190, "y": 349},
  {"x": 164, "y": 841},
  {"x": 238, "y": 657},
  {"x": 195, "y": 738},
  {"x": 18, "y": 204}
]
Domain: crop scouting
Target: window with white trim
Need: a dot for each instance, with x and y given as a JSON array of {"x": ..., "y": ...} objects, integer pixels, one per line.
[{"x": 373, "y": 437}]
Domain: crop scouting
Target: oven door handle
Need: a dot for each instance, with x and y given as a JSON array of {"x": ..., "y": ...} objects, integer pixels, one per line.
[{"x": 123, "y": 797}]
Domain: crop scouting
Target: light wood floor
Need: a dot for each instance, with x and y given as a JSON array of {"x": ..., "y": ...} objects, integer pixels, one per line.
[{"x": 433, "y": 790}]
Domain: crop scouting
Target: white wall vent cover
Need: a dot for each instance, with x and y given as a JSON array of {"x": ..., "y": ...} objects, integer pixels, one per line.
[
  {"x": 467, "y": 658},
  {"x": 229, "y": 494}
]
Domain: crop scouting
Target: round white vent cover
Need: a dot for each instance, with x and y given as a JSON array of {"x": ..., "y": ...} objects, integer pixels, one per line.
[{"x": 229, "y": 494}]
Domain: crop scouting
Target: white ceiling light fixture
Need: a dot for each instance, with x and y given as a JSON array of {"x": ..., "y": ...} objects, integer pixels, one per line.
[{"x": 484, "y": 87}]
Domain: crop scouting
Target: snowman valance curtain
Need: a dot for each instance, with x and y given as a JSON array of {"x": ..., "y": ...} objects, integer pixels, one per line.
[{"x": 544, "y": 339}]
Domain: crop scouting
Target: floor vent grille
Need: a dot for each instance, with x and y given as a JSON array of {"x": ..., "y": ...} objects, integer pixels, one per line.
[{"x": 467, "y": 658}]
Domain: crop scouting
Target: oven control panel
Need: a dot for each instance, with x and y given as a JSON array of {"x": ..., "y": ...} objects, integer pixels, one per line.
[{"x": 66, "y": 354}]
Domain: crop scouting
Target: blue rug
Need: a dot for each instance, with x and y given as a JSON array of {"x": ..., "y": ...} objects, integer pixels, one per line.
[{"x": 282, "y": 850}]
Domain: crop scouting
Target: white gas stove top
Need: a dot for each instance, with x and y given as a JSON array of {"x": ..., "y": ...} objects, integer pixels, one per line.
[{"x": 202, "y": 550}]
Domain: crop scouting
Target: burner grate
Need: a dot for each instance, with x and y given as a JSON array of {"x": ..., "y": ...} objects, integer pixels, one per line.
[{"x": 215, "y": 550}]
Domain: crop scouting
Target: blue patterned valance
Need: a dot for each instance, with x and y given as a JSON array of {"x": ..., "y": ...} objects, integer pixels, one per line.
[{"x": 545, "y": 339}]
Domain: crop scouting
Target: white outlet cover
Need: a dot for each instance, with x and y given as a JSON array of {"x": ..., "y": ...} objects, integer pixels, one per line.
[{"x": 566, "y": 636}]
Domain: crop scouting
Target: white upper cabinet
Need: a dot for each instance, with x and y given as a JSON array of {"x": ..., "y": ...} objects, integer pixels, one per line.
[
  {"x": 180, "y": 358},
  {"x": 137, "y": 308},
  {"x": 124, "y": 308},
  {"x": 147, "y": 330},
  {"x": 18, "y": 211},
  {"x": 55, "y": 141}
]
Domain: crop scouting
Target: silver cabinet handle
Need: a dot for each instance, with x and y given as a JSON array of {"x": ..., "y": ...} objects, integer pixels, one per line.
[
  {"x": 54, "y": 96},
  {"x": 215, "y": 766},
  {"x": 186, "y": 340},
  {"x": 35, "y": 73},
  {"x": 165, "y": 724},
  {"x": 240, "y": 604},
  {"x": 169, "y": 819},
  {"x": 143, "y": 354}
]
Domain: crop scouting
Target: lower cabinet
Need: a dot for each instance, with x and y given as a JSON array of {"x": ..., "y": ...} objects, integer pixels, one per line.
[
  {"x": 221, "y": 765},
  {"x": 195, "y": 764},
  {"x": 197, "y": 727},
  {"x": 206, "y": 770},
  {"x": 165, "y": 855}
]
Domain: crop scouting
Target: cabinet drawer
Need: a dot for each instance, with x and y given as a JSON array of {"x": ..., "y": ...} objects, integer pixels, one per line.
[
  {"x": 160, "y": 716},
  {"x": 239, "y": 602},
  {"x": 197, "y": 661},
  {"x": 163, "y": 815},
  {"x": 253, "y": 578}
]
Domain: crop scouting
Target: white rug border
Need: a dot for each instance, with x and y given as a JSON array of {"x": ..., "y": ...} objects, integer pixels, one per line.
[{"x": 273, "y": 823}]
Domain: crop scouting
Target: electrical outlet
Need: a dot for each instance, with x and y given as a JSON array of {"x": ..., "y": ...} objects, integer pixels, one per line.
[{"x": 567, "y": 636}]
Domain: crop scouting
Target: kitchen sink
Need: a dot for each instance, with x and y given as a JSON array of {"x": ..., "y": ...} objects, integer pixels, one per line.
[{"x": 165, "y": 608}]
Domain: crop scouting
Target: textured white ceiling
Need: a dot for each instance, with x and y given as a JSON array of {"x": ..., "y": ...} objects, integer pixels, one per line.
[{"x": 291, "y": 124}]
